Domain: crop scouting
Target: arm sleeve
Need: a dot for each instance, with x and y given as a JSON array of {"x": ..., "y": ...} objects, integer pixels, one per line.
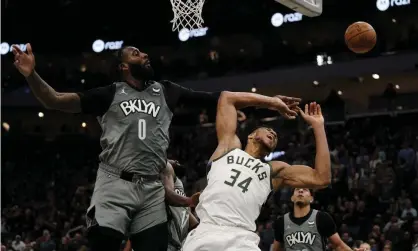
[
  {"x": 176, "y": 94},
  {"x": 326, "y": 225},
  {"x": 98, "y": 100},
  {"x": 279, "y": 229}
]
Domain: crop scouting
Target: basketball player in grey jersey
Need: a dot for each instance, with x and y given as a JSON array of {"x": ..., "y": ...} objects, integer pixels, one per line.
[
  {"x": 181, "y": 220},
  {"x": 135, "y": 115},
  {"x": 306, "y": 229}
]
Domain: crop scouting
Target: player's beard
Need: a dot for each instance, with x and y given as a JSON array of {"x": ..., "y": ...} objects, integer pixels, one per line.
[
  {"x": 301, "y": 204},
  {"x": 141, "y": 72}
]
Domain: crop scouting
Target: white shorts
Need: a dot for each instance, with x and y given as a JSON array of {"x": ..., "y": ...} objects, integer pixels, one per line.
[{"x": 208, "y": 237}]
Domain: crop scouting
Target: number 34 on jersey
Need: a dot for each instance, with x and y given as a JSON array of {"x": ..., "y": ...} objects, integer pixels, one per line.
[{"x": 241, "y": 179}]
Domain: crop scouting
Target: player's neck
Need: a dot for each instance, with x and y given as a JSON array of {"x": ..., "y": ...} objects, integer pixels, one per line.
[
  {"x": 136, "y": 83},
  {"x": 300, "y": 212},
  {"x": 254, "y": 151}
]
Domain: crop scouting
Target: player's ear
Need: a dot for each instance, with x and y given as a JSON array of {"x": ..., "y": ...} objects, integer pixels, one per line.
[{"x": 123, "y": 67}]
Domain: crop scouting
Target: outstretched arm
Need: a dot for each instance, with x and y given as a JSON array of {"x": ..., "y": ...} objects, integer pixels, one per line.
[
  {"x": 51, "y": 99},
  {"x": 226, "y": 116},
  {"x": 168, "y": 177},
  {"x": 95, "y": 101},
  {"x": 301, "y": 176}
]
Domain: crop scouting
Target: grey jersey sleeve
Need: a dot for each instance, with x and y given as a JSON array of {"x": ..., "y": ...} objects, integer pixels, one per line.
[{"x": 98, "y": 100}]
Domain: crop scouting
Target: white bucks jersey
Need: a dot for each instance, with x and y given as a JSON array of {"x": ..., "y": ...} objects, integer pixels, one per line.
[
  {"x": 178, "y": 223},
  {"x": 238, "y": 186}
]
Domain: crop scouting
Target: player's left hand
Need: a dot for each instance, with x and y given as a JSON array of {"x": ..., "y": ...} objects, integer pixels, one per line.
[{"x": 195, "y": 199}]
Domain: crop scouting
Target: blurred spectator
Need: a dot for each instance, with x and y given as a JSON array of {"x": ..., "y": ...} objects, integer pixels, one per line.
[{"x": 18, "y": 244}]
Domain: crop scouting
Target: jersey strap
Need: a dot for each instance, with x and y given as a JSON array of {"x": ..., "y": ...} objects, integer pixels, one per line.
[{"x": 224, "y": 154}]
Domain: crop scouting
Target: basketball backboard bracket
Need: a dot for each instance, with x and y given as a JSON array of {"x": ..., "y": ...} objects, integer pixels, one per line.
[{"x": 310, "y": 8}]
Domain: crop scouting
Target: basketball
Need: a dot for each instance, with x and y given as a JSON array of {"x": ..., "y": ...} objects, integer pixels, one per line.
[{"x": 360, "y": 37}]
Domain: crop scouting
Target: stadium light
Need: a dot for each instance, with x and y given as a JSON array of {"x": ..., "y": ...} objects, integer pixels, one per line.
[
  {"x": 41, "y": 114},
  {"x": 340, "y": 93},
  {"x": 83, "y": 124},
  {"x": 375, "y": 76},
  {"x": 6, "y": 126}
]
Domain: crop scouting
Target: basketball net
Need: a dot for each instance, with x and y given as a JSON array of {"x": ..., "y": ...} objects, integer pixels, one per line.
[{"x": 187, "y": 14}]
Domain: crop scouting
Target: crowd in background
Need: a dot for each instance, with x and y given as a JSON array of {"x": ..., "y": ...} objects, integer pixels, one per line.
[{"x": 47, "y": 183}]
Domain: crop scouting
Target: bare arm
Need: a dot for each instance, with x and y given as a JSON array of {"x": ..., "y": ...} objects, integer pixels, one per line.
[
  {"x": 51, "y": 99},
  {"x": 168, "y": 176},
  {"x": 338, "y": 244},
  {"x": 304, "y": 176},
  {"x": 226, "y": 116}
]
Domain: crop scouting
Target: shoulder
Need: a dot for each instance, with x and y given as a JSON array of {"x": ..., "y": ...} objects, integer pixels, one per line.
[
  {"x": 279, "y": 222},
  {"x": 99, "y": 91},
  {"x": 167, "y": 84},
  {"x": 226, "y": 152},
  {"x": 323, "y": 216}
]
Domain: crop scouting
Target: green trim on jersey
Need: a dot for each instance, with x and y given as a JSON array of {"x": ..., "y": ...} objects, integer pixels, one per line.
[
  {"x": 271, "y": 175},
  {"x": 224, "y": 154}
]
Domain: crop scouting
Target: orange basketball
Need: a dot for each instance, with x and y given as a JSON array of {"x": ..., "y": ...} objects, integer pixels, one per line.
[{"x": 360, "y": 37}]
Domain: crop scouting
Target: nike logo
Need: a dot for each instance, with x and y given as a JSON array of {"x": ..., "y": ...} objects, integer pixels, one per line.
[
  {"x": 156, "y": 89},
  {"x": 311, "y": 222}
]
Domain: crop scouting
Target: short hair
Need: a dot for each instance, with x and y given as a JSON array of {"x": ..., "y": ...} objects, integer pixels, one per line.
[
  {"x": 262, "y": 126},
  {"x": 119, "y": 54},
  {"x": 118, "y": 60}
]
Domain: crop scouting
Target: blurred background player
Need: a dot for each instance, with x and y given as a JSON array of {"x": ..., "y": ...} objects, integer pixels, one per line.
[
  {"x": 305, "y": 228},
  {"x": 180, "y": 218},
  {"x": 239, "y": 182}
]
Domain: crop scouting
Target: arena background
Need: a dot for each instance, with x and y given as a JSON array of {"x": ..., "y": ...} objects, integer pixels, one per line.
[{"x": 49, "y": 159}]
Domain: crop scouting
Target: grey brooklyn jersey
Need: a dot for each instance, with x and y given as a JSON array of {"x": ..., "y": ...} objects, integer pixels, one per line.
[
  {"x": 135, "y": 129},
  {"x": 179, "y": 220},
  {"x": 304, "y": 237}
]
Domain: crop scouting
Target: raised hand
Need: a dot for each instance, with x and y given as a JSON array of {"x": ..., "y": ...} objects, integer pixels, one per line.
[
  {"x": 291, "y": 102},
  {"x": 312, "y": 114},
  {"x": 286, "y": 111},
  {"x": 24, "y": 62}
]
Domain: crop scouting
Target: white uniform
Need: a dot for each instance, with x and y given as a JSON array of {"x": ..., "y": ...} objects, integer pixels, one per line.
[{"x": 238, "y": 186}]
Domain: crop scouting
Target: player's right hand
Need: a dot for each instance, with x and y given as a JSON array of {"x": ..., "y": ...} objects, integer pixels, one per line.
[
  {"x": 24, "y": 62},
  {"x": 284, "y": 109},
  {"x": 312, "y": 114}
]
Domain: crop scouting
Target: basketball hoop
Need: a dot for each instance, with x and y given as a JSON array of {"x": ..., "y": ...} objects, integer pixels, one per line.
[{"x": 187, "y": 14}]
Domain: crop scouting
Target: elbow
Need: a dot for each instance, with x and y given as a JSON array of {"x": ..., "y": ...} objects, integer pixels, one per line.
[
  {"x": 323, "y": 182},
  {"x": 226, "y": 96}
]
